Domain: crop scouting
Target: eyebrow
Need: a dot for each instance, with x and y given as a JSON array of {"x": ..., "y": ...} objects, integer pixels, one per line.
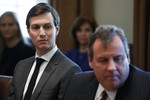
[{"x": 41, "y": 24}]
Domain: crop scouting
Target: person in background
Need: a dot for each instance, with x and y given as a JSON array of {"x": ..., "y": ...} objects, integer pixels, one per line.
[
  {"x": 14, "y": 47},
  {"x": 113, "y": 77},
  {"x": 81, "y": 30},
  {"x": 1, "y": 46},
  {"x": 46, "y": 75}
]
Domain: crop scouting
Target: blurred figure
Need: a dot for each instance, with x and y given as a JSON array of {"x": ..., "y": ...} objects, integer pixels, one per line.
[
  {"x": 14, "y": 47},
  {"x": 81, "y": 30},
  {"x": 1, "y": 46}
]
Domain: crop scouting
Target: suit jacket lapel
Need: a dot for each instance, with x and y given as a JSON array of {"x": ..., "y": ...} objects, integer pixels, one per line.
[
  {"x": 25, "y": 74},
  {"x": 90, "y": 91},
  {"x": 51, "y": 67}
]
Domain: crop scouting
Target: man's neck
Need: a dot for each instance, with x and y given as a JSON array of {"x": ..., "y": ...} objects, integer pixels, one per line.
[{"x": 41, "y": 52}]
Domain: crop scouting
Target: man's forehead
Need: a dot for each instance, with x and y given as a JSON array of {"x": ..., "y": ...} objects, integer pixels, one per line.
[
  {"x": 116, "y": 38},
  {"x": 43, "y": 18},
  {"x": 116, "y": 43},
  {"x": 41, "y": 24}
]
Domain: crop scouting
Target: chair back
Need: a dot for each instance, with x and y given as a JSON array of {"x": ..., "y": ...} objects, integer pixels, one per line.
[{"x": 5, "y": 82}]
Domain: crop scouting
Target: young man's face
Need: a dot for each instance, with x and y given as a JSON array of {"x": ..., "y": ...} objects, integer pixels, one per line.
[
  {"x": 43, "y": 32},
  {"x": 110, "y": 63}
]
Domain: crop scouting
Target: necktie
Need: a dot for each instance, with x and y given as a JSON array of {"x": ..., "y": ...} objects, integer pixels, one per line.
[
  {"x": 28, "y": 94},
  {"x": 104, "y": 95}
]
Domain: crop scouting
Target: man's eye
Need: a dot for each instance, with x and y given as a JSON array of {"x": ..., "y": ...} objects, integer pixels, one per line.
[
  {"x": 119, "y": 59},
  {"x": 47, "y": 27},
  {"x": 35, "y": 27},
  {"x": 102, "y": 60}
]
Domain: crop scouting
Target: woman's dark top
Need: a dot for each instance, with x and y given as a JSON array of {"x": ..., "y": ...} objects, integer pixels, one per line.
[
  {"x": 79, "y": 58},
  {"x": 11, "y": 56}
]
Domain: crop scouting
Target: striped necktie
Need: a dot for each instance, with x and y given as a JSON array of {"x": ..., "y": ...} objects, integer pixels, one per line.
[{"x": 104, "y": 95}]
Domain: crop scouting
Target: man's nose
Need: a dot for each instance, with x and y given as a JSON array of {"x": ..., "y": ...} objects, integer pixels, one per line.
[
  {"x": 111, "y": 65},
  {"x": 42, "y": 32}
]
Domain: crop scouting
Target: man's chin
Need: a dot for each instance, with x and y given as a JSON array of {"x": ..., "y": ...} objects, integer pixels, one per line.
[
  {"x": 43, "y": 47},
  {"x": 112, "y": 85}
]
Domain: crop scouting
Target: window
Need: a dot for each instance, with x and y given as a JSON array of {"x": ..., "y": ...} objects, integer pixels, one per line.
[{"x": 21, "y": 8}]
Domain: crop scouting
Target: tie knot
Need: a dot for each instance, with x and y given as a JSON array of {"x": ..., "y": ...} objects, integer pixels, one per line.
[{"x": 39, "y": 61}]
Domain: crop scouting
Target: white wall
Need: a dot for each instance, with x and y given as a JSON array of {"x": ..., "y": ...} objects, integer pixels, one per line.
[
  {"x": 117, "y": 12},
  {"x": 21, "y": 8}
]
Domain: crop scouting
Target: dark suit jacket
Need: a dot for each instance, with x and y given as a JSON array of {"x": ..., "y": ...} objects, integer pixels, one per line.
[
  {"x": 52, "y": 83},
  {"x": 83, "y": 86}
]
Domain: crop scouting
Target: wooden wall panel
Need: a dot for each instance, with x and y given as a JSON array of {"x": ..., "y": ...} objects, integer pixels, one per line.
[{"x": 68, "y": 11}]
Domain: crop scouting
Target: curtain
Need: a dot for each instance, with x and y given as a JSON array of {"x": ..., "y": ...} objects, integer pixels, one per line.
[
  {"x": 68, "y": 11},
  {"x": 141, "y": 36}
]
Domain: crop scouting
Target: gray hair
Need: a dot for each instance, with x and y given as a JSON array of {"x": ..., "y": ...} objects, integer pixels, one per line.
[{"x": 106, "y": 34}]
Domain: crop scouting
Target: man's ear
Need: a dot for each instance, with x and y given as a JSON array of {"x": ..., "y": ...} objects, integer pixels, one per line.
[
  {"x": 28, "y": 31},
  {"x": 90, "y": 59},
  {"x": 57, "y": 29},
  {"x": 128, "y": 57}
]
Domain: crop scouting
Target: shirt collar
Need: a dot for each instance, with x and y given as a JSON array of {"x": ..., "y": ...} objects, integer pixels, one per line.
[
  {"x": 49, "y": 54},
  {"x": 111, "y": 94}
]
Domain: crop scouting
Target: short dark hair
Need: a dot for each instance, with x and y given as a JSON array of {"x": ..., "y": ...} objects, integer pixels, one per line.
[
  {"x": 106, "y": 34},
  {"x": 40, "y": 9}
]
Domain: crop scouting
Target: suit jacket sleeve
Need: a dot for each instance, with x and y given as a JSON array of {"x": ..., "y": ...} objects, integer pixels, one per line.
[{"x": 66, "y": 80}]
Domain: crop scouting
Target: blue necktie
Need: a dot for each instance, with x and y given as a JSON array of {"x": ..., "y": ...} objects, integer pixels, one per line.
[{"x": 28, "y": 94}]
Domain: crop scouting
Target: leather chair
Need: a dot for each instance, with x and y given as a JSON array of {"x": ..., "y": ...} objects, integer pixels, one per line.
[{"x": 5, "y": 82}]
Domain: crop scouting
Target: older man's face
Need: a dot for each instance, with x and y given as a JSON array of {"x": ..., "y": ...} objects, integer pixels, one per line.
[{"x": 110, "y": 63}]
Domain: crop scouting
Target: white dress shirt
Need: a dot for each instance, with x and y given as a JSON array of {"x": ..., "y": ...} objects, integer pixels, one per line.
[
  {"x": 47, "y": 58},
  {"x": 100, "y": 89}
]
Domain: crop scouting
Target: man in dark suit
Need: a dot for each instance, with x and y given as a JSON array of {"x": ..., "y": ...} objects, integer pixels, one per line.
[
  {"x": 112, "y": 74},
  {"x": 49, "y": 80}
]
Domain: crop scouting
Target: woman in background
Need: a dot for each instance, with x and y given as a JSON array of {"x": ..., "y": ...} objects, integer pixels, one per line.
[
  {"x": 81, "y": 30},
  {"x": 14, "y": 47}
]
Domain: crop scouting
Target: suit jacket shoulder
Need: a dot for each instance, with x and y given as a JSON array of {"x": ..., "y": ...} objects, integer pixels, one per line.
[
  {"x": 136, "y": 86},
  {"x": 83, "y": 86},
  {"x": 55, "y": 78}
]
